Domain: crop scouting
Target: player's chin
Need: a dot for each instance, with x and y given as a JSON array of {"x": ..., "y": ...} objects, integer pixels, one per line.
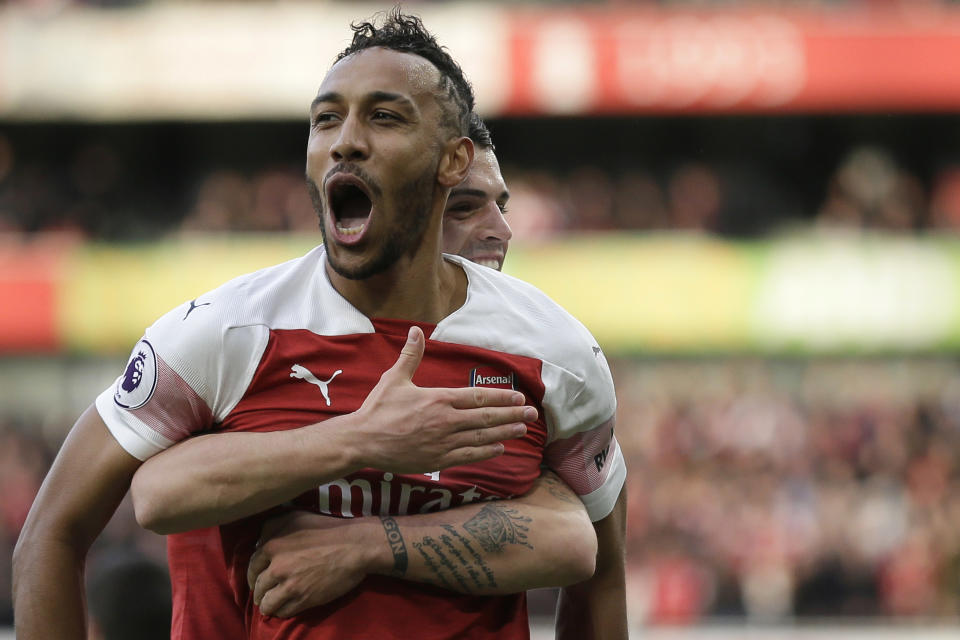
[
  {"x": 358, "y": 262},
  {"x": 347, "y": 264}
]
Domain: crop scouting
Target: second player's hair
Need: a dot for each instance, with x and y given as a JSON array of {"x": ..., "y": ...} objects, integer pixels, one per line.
[{"x": 479, "y": 133}]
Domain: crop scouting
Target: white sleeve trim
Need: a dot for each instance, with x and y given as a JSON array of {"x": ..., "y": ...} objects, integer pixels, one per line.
[
  {"x": 600, "y": 502},
  {"x": 133, "y": 435}
]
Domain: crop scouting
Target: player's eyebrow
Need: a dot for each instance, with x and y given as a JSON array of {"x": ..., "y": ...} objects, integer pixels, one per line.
[
  {"x": 463, "y": 191},
  {"x": 329, "y": 96},
  {"x": 372, "y": 97},
  {"x": 386, "y": 96},
  {"x": 477, "y": 193}
]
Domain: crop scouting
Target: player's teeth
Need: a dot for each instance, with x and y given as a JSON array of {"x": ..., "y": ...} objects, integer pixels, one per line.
[{"x": 350, "y": 231}]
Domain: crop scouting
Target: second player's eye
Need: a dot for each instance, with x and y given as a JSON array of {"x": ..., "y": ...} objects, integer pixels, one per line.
[{"x": 461, "y": 209}]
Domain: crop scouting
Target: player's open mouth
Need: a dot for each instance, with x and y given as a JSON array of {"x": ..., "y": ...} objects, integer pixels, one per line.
[{"x": 350, "y": 207}]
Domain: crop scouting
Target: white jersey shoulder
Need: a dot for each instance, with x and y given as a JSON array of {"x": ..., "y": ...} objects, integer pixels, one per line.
[
  {"x": 218, "y": 338},
  {"x": 207, "y": 350},
  {"x": 506, "y": 314}
]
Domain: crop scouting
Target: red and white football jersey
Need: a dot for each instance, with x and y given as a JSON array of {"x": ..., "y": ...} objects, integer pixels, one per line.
[{"x": 280, "y": 349}]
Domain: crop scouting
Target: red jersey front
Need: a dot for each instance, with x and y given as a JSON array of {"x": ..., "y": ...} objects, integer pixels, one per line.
[{"x": 280, "y": 349}]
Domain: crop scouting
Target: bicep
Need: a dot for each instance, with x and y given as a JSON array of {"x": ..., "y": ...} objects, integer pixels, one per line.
[{"x": 86, "y": 482}]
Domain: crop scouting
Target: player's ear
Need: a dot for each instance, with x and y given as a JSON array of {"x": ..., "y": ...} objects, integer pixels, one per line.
[{"x": 455, "y": 162}]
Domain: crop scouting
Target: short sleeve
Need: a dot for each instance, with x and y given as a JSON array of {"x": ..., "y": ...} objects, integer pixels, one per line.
[
  {"x": 583, "y": 450},
  {"x": 190, "y": 368}
]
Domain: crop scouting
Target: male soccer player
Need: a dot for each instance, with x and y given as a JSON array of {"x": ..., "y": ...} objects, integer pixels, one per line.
[
  {"x": 385, "y": 148},
  {"x": 219, "y": 616},
  {"x": 304, "y": 561},
  {"x": 339, "y": 550},
  {"x": 370, "y": 159},
  {"x": 474, "y": 225}
]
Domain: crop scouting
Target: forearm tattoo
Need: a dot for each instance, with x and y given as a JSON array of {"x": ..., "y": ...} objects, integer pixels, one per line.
[
  {"x": 497, "y": 526},
  {"x": 454, "y": 558},
  {"x": 436, "y": 558},
  {"x": 475, "y": 556},
  {"x": 397, "y": 545}
]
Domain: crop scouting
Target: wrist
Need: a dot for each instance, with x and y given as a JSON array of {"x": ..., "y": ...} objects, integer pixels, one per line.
[
  {"x": 388, "y": 556},
  {"x": 337, "y": 436}
]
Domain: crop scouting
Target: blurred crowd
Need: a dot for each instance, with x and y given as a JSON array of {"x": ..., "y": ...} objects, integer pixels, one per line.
[
  {"x": 868, "y": 190},
  {"x": 763, "y": 489},
  {"x": 98, "y": 192},
  {"x": 124, "y": 547},
  {"x": 778, "y": 491}
]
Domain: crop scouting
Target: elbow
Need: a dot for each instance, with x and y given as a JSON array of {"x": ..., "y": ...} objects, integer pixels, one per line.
[
  {"x": 585, "y": 563},
  {"x": 148, "y": 516},
  {"x": 580, "y": 560},
  {"x": 576, "y": 568},
  {"x": 20, "y": 560},
  {"x": 45, "y": 539},
  {"x": 148, "y": 508},
  {"x": 153, "y": 519}
]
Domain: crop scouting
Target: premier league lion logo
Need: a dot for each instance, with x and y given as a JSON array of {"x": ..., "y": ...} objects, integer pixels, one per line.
[
  {"x": 134, "y": 373},
  {"x": 136, "y": 385}
]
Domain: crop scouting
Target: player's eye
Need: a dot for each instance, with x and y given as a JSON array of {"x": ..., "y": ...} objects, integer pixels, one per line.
[
  {"x": 461, "y": 209},
  {"x": 323, "y": 118},
  {"x": 503, "y": 208},
  {"x": 384, "y": 115}
]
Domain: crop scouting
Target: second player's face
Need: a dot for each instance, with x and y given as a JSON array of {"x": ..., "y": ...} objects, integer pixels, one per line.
[
  {"x": 474, "y": 225},
  {"x": 372, "y": 158}
]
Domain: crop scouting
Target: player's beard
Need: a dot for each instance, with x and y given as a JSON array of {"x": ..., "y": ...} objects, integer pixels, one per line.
[{"x": 414, "y": 203}]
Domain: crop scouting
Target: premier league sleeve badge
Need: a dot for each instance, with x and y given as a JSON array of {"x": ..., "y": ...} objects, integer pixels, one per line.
[{"x": 138, "y": 382}]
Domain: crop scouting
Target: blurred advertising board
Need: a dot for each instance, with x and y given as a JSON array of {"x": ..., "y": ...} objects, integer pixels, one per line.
[
  {"x": 260, "y": 60},
  {"x": 657, "y": 294}
]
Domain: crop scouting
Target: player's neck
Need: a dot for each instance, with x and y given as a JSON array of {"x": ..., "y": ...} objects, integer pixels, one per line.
[{"x": 421, "y": 288}]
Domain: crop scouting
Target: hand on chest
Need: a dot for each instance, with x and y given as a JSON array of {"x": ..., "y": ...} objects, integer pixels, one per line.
[
  {"x": 303, "y": 373},
  {"x": 304, "y": 378}
]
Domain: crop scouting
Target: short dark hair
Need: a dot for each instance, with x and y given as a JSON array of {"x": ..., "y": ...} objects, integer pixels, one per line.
[
  {"x": 479, "y": 133},
  {"x": 406, "y": 33}
]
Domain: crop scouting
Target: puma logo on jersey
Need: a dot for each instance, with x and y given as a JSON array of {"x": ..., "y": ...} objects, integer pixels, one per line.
[
  {"x": 324, "y": 385},
  {"x": 194, "y": 305}
]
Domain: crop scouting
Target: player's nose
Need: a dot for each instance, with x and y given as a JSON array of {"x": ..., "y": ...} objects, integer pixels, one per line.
[
  {"x": 351, "y": 143},
  {"x": 497, "y": 227}
]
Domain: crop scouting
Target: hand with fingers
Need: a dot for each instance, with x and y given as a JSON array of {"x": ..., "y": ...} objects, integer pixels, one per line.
[
  {"x": 410, "y": 429},
  {"x": 304, "y": 560}
]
